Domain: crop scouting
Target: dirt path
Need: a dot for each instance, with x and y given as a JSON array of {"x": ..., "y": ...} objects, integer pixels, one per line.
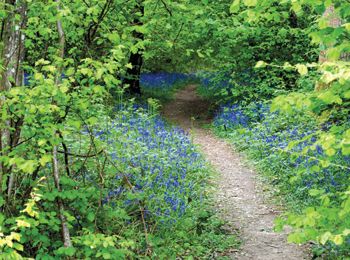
[{"x": 239, "y": 199}]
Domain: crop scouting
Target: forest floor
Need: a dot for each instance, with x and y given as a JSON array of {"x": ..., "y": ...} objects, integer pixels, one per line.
[{"x": 240, "y": 198}]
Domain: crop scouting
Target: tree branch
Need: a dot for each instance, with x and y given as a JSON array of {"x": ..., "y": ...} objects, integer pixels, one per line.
[{"x": 167, "y": 8}]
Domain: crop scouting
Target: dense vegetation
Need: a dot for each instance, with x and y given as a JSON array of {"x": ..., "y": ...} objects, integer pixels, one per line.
[
  {"x": 87, "y": 171},
  {"x": 88, "y": 168},
  {"x": 287, "y": 106}
]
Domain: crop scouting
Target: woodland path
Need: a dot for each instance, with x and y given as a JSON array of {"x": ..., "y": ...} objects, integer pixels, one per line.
[{"x": 239, "y": 197}]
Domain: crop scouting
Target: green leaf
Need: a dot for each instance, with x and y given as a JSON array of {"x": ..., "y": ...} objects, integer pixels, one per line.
[
  {"x": 302, "y": 69},
  {"x": 261, "y": 64},
  {"x": 296, "y": 238},
  {"x": 296, "y": 7},
  {"x": 330, "y": 98},
  {"x": 250, "y": 3},
  {"x": 45, "y": 159},
  {"x": 28, "y": 166},
  {"x": 234, "y": 8},
  {"x": 325, "y": 238},
  {"x": 338, "y": 240},
  {"x": 106, "y": 255},
  {"x": 314, "y": 192},
  {"x": 91, "y": 217}
]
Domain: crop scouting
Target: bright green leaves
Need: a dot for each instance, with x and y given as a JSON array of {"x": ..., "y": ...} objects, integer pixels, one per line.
[
  {"x": 250, "y": 3},
  {"x": 22, "y": 223},
  {"x": 317, "y": 224},
  {"x": 65, "y": 252},
  {"x": 45, "y": 159},
  {"x": 102, "y": 246},
  {"x": 26, "y": 166},
  {"x": 345, "y": 143},
  {"x": 114, "y": 37},
  {"x": 328, "y": 142},
  {"x": 261, "y": 64},
  {"x": 302, "y": 69},
  {"x": 90, "y": 216},
  {"x": 329, "y": 97},
  {"x": 296, "y": 6},
  {"x": 234, "y": 8},
  {"x": 9, "y": 240}
]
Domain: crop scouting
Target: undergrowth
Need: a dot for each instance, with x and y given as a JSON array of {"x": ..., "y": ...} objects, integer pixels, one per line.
[{"x": 286, "y": 150}]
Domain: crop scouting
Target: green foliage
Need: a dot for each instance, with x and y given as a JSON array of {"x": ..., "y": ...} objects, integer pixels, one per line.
[
  {"x": 301, "y": 160},
  {"x": 56, "y": 168},
  {"x": 244, "y": 45},
  {"x": 57, "y": 171},
  {"x": 315, "y": 98}
]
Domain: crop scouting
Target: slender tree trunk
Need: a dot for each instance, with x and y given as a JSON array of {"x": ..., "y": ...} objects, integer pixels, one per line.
[
  {"x": 56, "y": 169},
  {"x": 11, "y": 75},
  {"x": 64, "y": 226},
  {"x": 136, "y": 59}
]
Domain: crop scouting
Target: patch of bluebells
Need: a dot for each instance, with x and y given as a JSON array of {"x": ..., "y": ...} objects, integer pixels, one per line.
[
  {"x": 231, "y": 117},
  {"x": 236, "y": 116},
  {"x": 163, "y": 80},
  {"x": 159, "y": 161},
  {"x": 290, "y": 139}
]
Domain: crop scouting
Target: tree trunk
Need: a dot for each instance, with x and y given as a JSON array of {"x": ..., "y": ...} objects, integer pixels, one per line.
[
  {"x": 11, "y": 75},
  {"x": 136, "y": 59},
  {"x": 56, "y": 171}
]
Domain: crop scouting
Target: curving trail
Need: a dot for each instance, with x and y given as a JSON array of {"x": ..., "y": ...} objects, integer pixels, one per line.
[{"x": 239, "y": 199}]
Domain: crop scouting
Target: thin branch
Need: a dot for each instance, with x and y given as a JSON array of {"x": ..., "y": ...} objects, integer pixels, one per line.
[
  {"x": 178, "y": 34},
  {"x": 86, "y": 3},
  {"x": 167, "y": 8},
  {"x": 81, "y": 155}
]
